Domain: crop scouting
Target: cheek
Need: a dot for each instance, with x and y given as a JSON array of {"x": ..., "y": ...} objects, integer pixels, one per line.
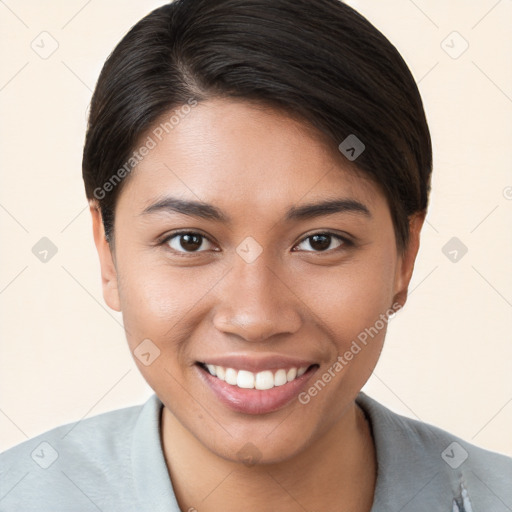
[
  {"x": 161, "y": 302},
  {"x": 354, "y": 306},
  {"x": 149, "y": 302},
  {"x": 156, "y": 305},
  {"x": 352, "y": 298}
]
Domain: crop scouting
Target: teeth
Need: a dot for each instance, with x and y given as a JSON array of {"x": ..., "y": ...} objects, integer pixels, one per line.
[
  {"x": 280, "y": 378},
  {"x": 261, "y": 380},
  {"x": 292, "y": 373},
  {"x": 220, "y": 372},
  {"x": 245, "y": 379},
  {"x": 264, "y": 380},
  {"x": 231, "y": 376}
]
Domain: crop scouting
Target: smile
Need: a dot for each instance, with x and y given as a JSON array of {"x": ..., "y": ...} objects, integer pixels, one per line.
[
  {"x": 245, "y": 379},
  {"x": 250, "y": 387}
]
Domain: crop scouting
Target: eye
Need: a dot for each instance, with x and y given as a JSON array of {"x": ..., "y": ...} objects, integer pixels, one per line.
[
  {"x": 187, "y": 242},
  {"x": 322, "y": 242}
]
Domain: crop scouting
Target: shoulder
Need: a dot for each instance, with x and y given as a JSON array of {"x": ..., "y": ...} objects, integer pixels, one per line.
[
  {"x": 423, "y": 463},
  {"x": 80, "y": 461}
]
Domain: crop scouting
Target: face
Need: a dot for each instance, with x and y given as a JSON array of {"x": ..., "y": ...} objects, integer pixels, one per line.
[{"x": 260, "y": 270}]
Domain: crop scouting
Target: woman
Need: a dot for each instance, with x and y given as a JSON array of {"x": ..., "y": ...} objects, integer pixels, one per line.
[{"x": 258, "y": 175}]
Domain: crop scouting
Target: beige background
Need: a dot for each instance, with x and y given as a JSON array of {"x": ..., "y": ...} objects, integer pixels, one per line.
[{"x": 448, "y": 357}]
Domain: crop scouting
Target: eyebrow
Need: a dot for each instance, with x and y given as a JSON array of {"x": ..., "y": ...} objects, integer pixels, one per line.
[
  {"x": 312, "y": 210},
  {"x": 207, "y": 211},
  {"x": 187, "y": 207}
]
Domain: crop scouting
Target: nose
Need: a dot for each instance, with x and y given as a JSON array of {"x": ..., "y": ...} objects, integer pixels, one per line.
[{"x": 255, "y": 303}]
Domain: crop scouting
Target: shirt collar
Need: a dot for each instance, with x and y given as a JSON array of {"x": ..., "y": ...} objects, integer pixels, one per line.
[
  {"x": 150, "y": 474},
  {"x": 406, "y": 474}
]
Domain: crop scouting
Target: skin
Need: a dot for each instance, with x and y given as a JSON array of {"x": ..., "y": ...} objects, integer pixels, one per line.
[{"x": 255, "y": 163}]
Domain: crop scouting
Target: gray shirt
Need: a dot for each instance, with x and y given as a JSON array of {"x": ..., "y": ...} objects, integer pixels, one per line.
[{"x": 114, "y": 462}]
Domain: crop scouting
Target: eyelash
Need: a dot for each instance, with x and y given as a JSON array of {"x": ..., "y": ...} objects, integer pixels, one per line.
[{"x": 345, "y": 242}]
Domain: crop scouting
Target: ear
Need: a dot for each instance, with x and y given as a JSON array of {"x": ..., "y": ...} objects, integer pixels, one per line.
[
  {"x": 406, "y": 260},
  {"x": 108, "y": 270}
]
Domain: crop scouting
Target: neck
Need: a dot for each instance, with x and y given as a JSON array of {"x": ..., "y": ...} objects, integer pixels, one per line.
[{"x": 339, "y": 468}]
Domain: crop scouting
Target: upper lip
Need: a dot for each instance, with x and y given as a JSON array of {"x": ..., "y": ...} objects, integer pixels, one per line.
[{"x": 257, "y": 363}]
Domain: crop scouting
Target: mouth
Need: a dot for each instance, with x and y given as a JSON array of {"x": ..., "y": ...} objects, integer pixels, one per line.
[
  {"x": 245, "y": 379},
  {"x": 252, "y": 388}
]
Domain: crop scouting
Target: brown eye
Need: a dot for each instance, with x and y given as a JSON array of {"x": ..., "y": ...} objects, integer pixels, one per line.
[
  {"x": 321, "y": 242},
  {"x": 186, "y": 242}
]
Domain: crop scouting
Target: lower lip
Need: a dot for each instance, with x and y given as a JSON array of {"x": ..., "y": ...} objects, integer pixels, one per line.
[{"x": 255, "y": 401}]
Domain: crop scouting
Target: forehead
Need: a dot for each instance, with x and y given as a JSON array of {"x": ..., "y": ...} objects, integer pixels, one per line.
[{"x": 244, "y": 155}]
